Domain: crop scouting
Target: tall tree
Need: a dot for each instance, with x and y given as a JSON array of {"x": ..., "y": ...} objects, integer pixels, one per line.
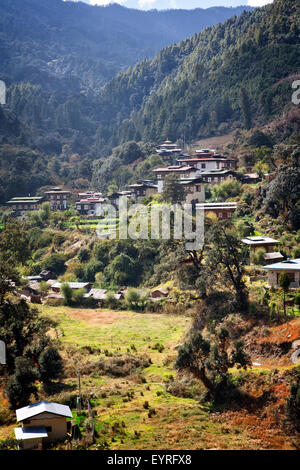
[
  {"x": 246, "y": 108},
  {"x": 173, "y": 191}
]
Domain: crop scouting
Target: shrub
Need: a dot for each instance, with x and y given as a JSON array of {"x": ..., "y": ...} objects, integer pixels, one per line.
[
  {"x": 257, "y": 257},
  {"x": 9, "y": 444},
  {"x": 123, "y": 366},
  {"x": 226, "y": 190},
  {"x": 67, "y": 293}
]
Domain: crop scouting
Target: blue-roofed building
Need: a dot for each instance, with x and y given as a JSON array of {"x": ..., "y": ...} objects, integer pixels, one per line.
[{"x": 290, "y": 266}]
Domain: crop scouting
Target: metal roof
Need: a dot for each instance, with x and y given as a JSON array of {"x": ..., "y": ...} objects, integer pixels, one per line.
[
  {"x": 73, "y": 285},
  {"x": 97, "y": 294},
  {"x": 18, "y": 200},
  {"x": 258, "y": 240},
  {"x": 34, "y": 432},
  {"x": 275, "y": 255},
  {"x": 288, "y": 265},
  {"x": 43, "y": 407},
  {"x": 217, "y": 205}
]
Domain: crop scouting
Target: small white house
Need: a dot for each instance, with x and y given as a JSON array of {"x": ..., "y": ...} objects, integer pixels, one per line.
[
  {"x": 42, "y": 422},
  {"x": 290, "y": 266}
]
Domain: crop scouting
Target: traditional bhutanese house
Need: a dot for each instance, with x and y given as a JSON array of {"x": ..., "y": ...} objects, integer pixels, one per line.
[
  {"x": 58, "y": 199},
  {"x": 168, "y": 148},
  {"x": 194, "y": 190},
  {"x": 223, "y": 210},
  {"x": 217, "y": 176},
  {"x": 143, "y": 190},
  {"x": 257, "y": 242},
  {"x": 206, "y": 163},
  {"x": 114, "y": 198},
  {"x": 159, "y": 293},
  {"x": 182, "y": 172},
  {"x": 42, "y": 422},
  {"x": 90, "y": 206},
  {"x": 250, "y": 178},
  {"x": 22, "y": 205},
  {"x": 56, "y": 287},
  {"x": 290, "y": 266}
]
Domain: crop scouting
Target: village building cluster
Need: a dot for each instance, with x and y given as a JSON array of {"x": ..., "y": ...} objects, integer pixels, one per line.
[{"x": 193, "y": 171}]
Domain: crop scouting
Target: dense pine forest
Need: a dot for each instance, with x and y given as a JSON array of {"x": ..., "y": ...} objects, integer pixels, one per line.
[{"x": 234, "y": 75}]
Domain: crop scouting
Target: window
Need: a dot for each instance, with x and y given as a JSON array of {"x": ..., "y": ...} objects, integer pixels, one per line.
[
  {"x": 197, "y": 188},
  {"x": 203, "y": 165},
  {"x": 209, "y": 179}
]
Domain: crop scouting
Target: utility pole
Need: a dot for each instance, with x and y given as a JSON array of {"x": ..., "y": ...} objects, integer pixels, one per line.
[{"x": 79, "y": 392}]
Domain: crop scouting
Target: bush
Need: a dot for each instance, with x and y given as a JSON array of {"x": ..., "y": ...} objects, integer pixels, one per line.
[
  {"x": 67, "y": 293},
  {"x": 123, "y": 366},
  {"x": 111, "y": 301},
  {"x": 9, "y": 444},
  {"x": 226, "y": 190},
  {"x": 257, "y": 257}
]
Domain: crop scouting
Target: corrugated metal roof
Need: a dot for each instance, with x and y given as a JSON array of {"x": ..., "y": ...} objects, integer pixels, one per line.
[
  {"x": 43, "y": 407},
  {"x": 73, "y": 285},
  {"x": 216, "y": 205},
  {"x": 34, "y": 432},
  {"x": 258, "y": 240},
  {"x": 274, "y": 256},
  {"x": 288, "y": 265},
  {"x": 97, "y": 294}
]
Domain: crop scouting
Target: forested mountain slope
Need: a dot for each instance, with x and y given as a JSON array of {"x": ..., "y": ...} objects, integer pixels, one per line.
[
  {"x": 234, "y": 75},
  {"x": 65, "y": 45},
  {"x": 230, "y": 75}
]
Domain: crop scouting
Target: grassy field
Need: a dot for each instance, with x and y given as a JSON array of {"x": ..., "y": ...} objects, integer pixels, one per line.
[
  {"x": 136, "y": 411},
  {"x": 122, "y": 404}
]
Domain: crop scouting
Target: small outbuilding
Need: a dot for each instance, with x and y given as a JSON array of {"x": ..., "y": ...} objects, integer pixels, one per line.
[
  {"x": 159, "y": 293},
  {"x": 290, "y": 266},
  {"x": 42, "y": 422},
  {"x": 258, "y": 242}
]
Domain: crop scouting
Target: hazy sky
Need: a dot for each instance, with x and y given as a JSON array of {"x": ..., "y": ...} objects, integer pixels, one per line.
[{"x": 185, "y": 4}]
